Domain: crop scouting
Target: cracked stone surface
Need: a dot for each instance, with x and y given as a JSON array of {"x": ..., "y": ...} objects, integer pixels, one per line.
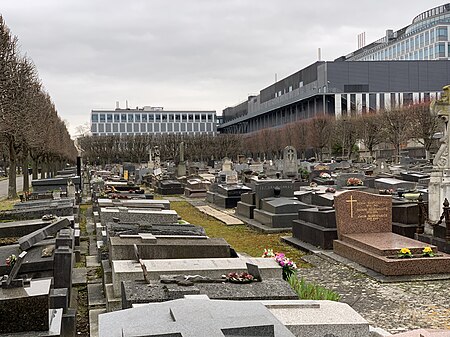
[{"x": 395, "y": 307}]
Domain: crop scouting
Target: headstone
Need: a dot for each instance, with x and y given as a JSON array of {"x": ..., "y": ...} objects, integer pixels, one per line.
[
  {"x": 193, "y": 316},
  {"x": 29, "y": 240},
  {"x": 359, "y": 212},
  {"x": 290, "y": 164}
]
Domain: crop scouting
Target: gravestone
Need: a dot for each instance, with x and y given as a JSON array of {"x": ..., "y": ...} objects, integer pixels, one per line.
[
  {"x": 150, "y": 216},
  {"x": 315, "y": 226},
  {"x": 29, "y": 240},
  {"x": 364, "y": 224},
  {"x": 290, "y": 164},
  {"x": 265, "y": 188},
  {"x": 342, "y": 179},
  {"x": 196, "y": 315},
  {"x": 361, "y": 212},
  {"x": 181, "y": 165}
]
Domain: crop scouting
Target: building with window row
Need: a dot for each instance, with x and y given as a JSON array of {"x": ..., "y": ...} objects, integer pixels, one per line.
[
  {"x": 152, "y": 120},
  {"x": 426, "y": 38},
  {"x": 408, "y": 66},
  {"x": 338, "y": 89}
]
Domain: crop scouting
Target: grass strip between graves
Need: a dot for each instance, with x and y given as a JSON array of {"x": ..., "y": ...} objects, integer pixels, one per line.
[
  {"x": 8, "y": 204},
  {"x": 241, "y": 238}
]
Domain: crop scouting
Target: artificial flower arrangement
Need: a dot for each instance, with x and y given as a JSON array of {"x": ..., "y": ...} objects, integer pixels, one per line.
[
  {"x": 11, "y": 260},
  {"x": 289, "y": 266},
  {"x": 325, "y": 175},
  {"x": 406, "y": 253},
  {"x": 354, "y": 182},
  {"x": 243, "y": 277},
  {"x": 330, "y": 190}
]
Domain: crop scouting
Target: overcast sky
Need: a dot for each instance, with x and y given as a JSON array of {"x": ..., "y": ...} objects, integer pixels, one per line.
[{"x": 186, "y": 54}]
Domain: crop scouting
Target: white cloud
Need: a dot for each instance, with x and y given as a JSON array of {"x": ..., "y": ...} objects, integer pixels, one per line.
[{"x": 196, "y": 54}]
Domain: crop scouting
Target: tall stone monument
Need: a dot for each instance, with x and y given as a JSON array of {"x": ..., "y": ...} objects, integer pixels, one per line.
[
  {"x": 290, "y": 164},
  {"x": 181, "y": 165},
  {"x": 439, "y": 186}
]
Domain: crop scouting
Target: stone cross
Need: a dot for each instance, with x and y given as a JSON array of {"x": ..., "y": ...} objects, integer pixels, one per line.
[
  {"x": 351, "y": 201},
  {"x": 181, "y": 152},
  {"x": 290, "y": 154},
  {"x": 15, "y": 269}
]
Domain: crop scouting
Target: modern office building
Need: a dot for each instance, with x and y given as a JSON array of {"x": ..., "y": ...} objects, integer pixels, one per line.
[
  {"x": 152, "y": 120},
  {"x": 404, "y": 67},
  {"x": 338, "y": 89},
  {"x": 426, "y": 38}
]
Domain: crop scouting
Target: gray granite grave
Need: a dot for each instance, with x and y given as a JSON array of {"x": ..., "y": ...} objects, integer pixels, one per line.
[
  {"x": 134, "y": 292},
  {"x": 114, "y": 229},
  {"x": 107, "y": 214},
  {"x": 27, "y": 241},
  {"x": 316, "y": 226},
  {"x": 196, "y": 188},
  {"x": 130, "y": 270},
  {"x": 278, "y": 213},
  {"x": 193, "y": 317},
  {"x": 228, "y": 196},
  {"x": 134, "y": 203},
  {"x": 24, "y": 227},
  {"x": 393, "y": 183},
  {"x": 66, "y": 209},
  {"x": 168, "y": 187},
  {"x": 265, "y": 189},
  {"x": 246, "y": 206},
  {"x": 168, "y": 247}
]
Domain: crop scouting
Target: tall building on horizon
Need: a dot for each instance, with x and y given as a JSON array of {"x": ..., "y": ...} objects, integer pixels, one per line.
[
  {"x": 426, "y": 38},
  {"x": 405, "y": 67},
  {"x": 153, "y": 120}
]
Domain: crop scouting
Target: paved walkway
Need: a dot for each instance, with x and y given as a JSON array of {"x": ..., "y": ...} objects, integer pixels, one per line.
[
  {"x": 395, "y": 307},
  {"x": 219, "y": 215}
]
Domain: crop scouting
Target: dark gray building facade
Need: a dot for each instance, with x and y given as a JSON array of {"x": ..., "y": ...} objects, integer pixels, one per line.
[{"x": 337, "y": 89}]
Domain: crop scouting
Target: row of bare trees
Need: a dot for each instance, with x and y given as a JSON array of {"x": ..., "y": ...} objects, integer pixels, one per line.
[
  {"x": 30, "y": 129},
  {"x": 319, "y": 135},
  {"x": 118, "y": 149},
  {"x": 339, "y": 137}
]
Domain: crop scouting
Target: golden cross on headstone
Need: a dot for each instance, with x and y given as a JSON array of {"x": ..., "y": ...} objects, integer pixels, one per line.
[{"x": 351, "y": 201}]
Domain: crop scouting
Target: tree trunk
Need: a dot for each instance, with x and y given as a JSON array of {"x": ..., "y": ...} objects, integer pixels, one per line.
[
  {"x": 12, "y": 189},
  {"x": 35, "y": 169},
  {"x": 26, "y": 177}
]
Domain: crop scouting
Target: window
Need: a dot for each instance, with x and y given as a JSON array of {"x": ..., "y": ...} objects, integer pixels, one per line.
[
  {"x": 177, "y": 117},
  {"x": 422, "y": 40},
  {"x": 130, "y": 118},
  {"x": 144, "y": 118},
  {"x": 158, "y": 118},
  {"x": 115, "y": 127},
  {"x": 151, "y": 118},
  {"x": 108, "y": 127},
  {"x": 123, "y": 118},
  {"x": 94, "y": 128},
  {"x": 407, "y": 46},
  {"x": 416, "y": 42},
  {"x": 130, "y": 128},
  {"x": 171, "y": 118},
  {"x": 432, "y": 36},
  {"x": 421, "y": 54},
  {"x": 425, "y": 53},
  {"x": 164, "y": 118},
  {"x": 184, "y": 117},
  {"x": 109, "y": 118},
  {"x": 431, "y": 53},
  {"x": 190, "y": 117},
  {"x": 442, "y": 34},
  {"x": 440, "y": 51},
  {"x": 209, "y": 117},
  {"x": 427, "y": 38},
  {"x": 203, "y": 118},
  {"x": 197, "y": 117},
  {"x": 102, "y": 118},
  {"x": 101, "y": 127},
  {"x": 94, "y": 119},
  {"x": 137, "y": 118},
  {"x": 116, "y": 118},
  {"x": 163, "y": 127},
  {"x": 136, "y": 127},
  {"x": 122, "y": 127}
]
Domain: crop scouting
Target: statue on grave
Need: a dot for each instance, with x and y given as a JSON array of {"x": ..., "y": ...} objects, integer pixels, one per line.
[{"x": 441, "y": 108}]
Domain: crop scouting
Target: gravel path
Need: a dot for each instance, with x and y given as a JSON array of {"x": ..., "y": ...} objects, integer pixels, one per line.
[{"x": 395, "y": 307}]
